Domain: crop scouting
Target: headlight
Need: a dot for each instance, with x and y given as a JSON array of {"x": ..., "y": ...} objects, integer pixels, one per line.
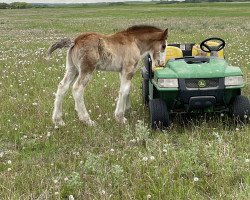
[
  {"x": 233, "y": 80},
  {"x": 168, "y": 83}
]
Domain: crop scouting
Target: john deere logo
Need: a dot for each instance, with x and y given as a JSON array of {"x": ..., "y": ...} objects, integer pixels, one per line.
[{"x": 202, "y": 83}]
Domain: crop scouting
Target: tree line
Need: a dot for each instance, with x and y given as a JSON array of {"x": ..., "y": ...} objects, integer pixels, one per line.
[
  {"x": 24, "y": 5},
  {"x": 200, "y": 1},
  {"x": 15, "y": 5}
]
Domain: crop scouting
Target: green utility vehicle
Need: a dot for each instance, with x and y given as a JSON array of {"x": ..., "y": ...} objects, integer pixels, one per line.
[{"x": 195, "y": 79}]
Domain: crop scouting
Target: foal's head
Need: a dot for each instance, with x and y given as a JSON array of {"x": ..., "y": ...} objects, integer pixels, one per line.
[
  {"x": 154, "y": 41},
  {"x": 158, "y": 48}
]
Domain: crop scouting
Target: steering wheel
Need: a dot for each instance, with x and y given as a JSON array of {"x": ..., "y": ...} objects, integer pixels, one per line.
[{"x": 206, "y": 48}]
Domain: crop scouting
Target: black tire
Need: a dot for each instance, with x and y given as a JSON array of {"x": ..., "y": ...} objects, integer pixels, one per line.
[
  {"x": 145, "y": 91},
  {"x": 240, "y": 108},
  {"x": 159, "y": 115}
]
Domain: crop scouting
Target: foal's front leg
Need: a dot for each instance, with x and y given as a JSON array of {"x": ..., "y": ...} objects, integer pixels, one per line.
[{"x": 122, "y": 102}]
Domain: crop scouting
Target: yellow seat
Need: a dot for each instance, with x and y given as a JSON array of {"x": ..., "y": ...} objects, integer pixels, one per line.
[
  {"x": 173, "y": 52},
  {"x": 196, "y": 51}
]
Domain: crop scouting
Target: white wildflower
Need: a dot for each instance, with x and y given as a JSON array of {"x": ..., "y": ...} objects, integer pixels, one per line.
[
  {"x": 133, "y": 141},
  {"x": 196, "y": 179},
  {"x": 103, "y": 192},
  {"x": 71, "y": 197},
  {"x": 66, "y": 179},
  {"x": 152, "y": 157},
  {"x": 145, "y": 158}
]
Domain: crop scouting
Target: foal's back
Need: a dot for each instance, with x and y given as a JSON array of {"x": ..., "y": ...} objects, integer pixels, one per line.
[{"x": 105, "y": 52}]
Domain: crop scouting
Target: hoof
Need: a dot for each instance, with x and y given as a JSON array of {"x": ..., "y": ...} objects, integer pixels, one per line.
[
  {"x": 90, "y": 123},
  {"x": 58, "y": 123},
  {"x": 87, "y": 121},
  {"x": 121, "y": 120}
]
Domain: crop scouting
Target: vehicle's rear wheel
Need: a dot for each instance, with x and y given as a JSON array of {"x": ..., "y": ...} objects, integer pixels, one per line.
[
  {"x": 240, "y": 108},
  {"x": 159, "y": 115},
  {"x": 145, "y": 91}
]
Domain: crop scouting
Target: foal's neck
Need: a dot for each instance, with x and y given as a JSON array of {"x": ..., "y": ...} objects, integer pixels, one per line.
[{"x": 144, "y": 43}]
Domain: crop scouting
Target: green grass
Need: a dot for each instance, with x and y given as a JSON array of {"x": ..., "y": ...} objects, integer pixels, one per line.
[{"x": 205, "y": 158}]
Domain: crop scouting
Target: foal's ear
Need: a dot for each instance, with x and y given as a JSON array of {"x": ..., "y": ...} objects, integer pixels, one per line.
[{"x": 165, "y": 34}]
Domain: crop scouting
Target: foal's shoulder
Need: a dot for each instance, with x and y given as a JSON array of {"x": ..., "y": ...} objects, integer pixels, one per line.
[{"x": 121, "y": 38}]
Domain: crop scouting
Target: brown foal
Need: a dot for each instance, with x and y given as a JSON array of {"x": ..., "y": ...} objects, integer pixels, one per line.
[{"x": 118, "y": 52}]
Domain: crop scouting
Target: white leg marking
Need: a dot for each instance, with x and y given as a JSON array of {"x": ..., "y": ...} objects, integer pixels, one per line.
[
  {"x": 128, "y": 104},
  {"x": 78, "y": 90},
  {"x": 61, "y": 91},
  {"x": 122, "y": 100}
]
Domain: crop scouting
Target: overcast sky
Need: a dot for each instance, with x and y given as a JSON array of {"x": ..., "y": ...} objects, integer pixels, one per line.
[{"x": 65, "y": 1}]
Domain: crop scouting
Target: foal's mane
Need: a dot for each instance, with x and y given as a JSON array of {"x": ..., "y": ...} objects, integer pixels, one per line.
[{"x": 142, "y": 29}]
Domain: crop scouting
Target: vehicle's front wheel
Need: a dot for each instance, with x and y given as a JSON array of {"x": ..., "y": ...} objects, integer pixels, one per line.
[
  {"x": 159, "y": 115},
  {"x": 240, "y": 108}
]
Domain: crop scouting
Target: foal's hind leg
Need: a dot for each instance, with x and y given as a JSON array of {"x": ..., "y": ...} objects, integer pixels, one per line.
[
  {"x": 78, "y": 90},
  {"x": 61, "y": 91},
  {"x": 128, "y": 104}
]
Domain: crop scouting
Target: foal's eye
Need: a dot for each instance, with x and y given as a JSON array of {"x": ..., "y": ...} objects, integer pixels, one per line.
[{"x": 163, "y": 46}]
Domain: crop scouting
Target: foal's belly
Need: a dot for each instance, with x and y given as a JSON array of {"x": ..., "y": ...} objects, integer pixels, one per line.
[{"x": 108, "y": 66}]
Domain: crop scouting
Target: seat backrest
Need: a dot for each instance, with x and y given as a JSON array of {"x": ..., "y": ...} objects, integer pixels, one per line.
[{"x": 173, "y": 52}]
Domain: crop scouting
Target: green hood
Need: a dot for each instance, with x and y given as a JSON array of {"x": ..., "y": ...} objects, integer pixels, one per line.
[{"x": 216, "y": 67}]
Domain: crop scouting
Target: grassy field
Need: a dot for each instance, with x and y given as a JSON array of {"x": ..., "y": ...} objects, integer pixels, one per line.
[{"x": 207, "y": 158}]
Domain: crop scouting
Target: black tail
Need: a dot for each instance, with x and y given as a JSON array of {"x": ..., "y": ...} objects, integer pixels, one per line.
[{"x": 65, "y": 42}]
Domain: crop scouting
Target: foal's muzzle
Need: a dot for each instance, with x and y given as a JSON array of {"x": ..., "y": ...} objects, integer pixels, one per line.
[{"x": 161, "y": 61}]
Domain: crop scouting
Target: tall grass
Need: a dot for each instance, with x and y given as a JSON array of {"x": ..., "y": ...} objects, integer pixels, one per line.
[{"x": 206, "y": 158}]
